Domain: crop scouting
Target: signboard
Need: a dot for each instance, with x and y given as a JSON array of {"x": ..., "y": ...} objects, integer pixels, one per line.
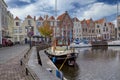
[{"x": 30, "y": 34}]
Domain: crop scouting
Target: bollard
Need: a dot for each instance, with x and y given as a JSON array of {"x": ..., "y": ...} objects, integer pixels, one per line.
[
  {"x": 38, "y": 57},
  {"x": 24, "y": 56},
  {"x": 26, "y": 71},
  {"x": 21, "y": 62}
]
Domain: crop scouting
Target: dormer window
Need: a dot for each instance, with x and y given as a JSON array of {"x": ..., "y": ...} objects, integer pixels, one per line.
[
  {"x": 17, "y": 24},
  {"x": 105, "y": 24}
]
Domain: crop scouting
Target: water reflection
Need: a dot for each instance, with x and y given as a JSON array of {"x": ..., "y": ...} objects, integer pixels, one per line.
[
  {"x": 71, "y": 72},
  {"x": 99, "y": 53},
  {"x": 101, "y": 63}
]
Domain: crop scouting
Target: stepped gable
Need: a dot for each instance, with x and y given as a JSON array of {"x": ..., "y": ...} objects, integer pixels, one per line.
[
  {"x": 29, "y": 17},
  {"x": 40, "y": 18},
  {"x": 61, "y": 16},
  {"x": 51, "y": 18},
  {"x": 16, "y": 18},
  {"x": 75, "y": 19}
]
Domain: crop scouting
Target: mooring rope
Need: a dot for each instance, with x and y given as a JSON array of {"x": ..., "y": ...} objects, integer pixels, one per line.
[{"x": 63, "y": 63}]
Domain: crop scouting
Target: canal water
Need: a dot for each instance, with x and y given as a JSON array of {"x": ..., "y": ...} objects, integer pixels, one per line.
[{"x": 99, "y": 63}]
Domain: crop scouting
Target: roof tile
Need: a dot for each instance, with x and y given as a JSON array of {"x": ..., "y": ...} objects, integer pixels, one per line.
[
  {"x": 100, "y": 21},
  {"x": 61, "y": 17}
]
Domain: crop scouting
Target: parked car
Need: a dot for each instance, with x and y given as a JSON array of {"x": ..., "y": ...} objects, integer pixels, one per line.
[
  {"x": 10, "y": 43},
  {"x": 6, "y": 42}
]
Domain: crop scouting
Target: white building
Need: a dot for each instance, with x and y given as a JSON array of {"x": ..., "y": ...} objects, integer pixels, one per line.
[
  {"x": 3, "y": 19},
  {"x": 10, "y": 21},
  {"x": 29, "y": 27},
  {"x": 118, "y": 27},
  {"x": 77, "y": 29},
  {"x": 104, "y": 28},
  {"x": 98, "y": 29},
  {"x": 18, "y": 31},
  {"x": 111, "y": 27},
  {"x": 39, "y": 23}
]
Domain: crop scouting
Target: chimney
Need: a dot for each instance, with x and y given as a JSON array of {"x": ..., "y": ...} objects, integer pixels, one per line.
[
  {"x": 46, "y": 17},
  {"x": 65, "y": 11},
  {"x": 34, "y": 18}
]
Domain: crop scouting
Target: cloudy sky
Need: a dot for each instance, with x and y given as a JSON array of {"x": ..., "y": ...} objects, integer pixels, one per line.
[{"x": 83, "y": 9}]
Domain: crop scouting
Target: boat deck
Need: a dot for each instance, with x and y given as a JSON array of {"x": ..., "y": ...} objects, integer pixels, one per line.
[{"x": 60, "y": 51}]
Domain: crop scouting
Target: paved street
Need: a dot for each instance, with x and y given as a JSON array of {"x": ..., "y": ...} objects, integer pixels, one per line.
[{"x": 10, "y": 68}]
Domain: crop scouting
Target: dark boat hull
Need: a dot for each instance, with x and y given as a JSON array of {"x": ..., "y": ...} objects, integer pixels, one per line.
[
  {"x": 70, "y": 59},
  {"x": 99, "y": 43}
]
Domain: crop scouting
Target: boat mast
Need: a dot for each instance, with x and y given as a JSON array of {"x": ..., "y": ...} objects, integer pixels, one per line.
[
  {"x": 55, "y": 16},
  {"x": 117, "y": 20},
  {"x": 55, "y": 26},
  {"x": 56, "y": 9},
  {"x": 117, "y": 8}
]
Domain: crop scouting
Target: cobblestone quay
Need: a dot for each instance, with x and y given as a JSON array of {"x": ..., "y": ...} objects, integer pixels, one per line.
[{"x": 10, "y": 68}]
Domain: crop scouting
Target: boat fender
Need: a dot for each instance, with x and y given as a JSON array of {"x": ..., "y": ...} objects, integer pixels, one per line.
[
  {"x": 59, "y": 74},
  {"x": 53, "y": 59}
]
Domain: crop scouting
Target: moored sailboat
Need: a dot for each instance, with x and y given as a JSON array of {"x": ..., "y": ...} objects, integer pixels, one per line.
[{"x": 60, "y": 53}]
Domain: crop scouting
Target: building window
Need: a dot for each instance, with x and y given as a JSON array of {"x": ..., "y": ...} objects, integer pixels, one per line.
[
  {"x": 119, "y": 22},
  {"x": 89, "y": 31},
  {"x": 26, "y": 29},
  {"x": 29, "y": 22},
  {"x": 99, "y": 31},
  {"x": 51, "y": 23},
  {"x": 98, "y": 26},
  {"x": 119, "y": 34},
  {"x": 20, "y": 30},
  {"x": 83, "y": 29},
  {"x": 55, "y": 23},
  {"x": 86, "y": 29},
  {"x": 92, "y": 31},
  {"x": 15, "y": 30},
  {"x": 38, "y": 23},
  {"x": 17, "y": 24},
  {"x": 119, "y": 28},
  {"x": 106, "y": 29}
]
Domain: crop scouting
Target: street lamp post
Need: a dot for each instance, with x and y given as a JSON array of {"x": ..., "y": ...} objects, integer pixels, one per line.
[{"x": 30, "y": 34}]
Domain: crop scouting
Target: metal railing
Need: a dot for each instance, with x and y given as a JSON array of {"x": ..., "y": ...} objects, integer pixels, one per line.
[
  {"x": 24, "y": 60},
  {"x": 29, "y": 73}
]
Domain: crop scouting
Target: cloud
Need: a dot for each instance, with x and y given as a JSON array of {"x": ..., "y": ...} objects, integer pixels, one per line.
[
  {"x": 36, "y": 9},
  {"x": 41, "y": 7},
  {"x": 7, "y": 1},
  {"x": 67, "y": 5},
  {"x": 80, "y": 8},
  {"x": 97, "y": 10},
  {"x": 28, "y": 1}
]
